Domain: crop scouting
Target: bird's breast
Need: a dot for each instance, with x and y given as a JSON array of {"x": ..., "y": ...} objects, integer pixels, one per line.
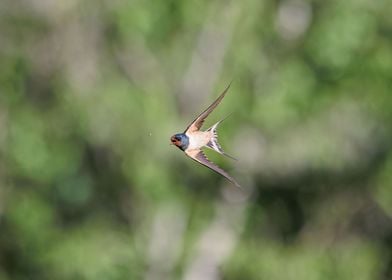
[{"x": 198, "y": 139}]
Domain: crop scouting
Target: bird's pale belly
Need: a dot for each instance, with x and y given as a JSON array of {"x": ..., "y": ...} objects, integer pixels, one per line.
[{"x": 198, "y": 139}]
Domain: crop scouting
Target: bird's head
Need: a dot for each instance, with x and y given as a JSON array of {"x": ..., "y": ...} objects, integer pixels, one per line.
[{"x": 180, "y": 140}]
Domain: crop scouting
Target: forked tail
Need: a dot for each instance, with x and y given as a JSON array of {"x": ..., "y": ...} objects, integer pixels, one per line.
[{"x": 213, "y": 143}]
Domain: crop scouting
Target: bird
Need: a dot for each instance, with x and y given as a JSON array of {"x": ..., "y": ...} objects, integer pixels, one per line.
[{"x": 192, "y": 140}]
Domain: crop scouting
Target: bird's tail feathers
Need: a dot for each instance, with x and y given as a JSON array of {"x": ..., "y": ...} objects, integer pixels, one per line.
[{"x": 213, "y": 143}]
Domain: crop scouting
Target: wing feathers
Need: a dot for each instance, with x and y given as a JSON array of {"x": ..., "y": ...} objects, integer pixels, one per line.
[
  {"x": 198, "y": 122},
  {"x": 200, "y": 157}
]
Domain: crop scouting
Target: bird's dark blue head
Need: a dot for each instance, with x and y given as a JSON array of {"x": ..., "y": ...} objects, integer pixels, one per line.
[{"x": 180, "y": 140}]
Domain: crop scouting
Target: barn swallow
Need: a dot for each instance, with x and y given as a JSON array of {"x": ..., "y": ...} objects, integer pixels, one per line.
[{"x": 193, "y": 139}]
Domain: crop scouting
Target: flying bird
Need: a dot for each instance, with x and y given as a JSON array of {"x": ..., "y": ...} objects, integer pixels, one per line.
[{"x": 193, "y": 139}]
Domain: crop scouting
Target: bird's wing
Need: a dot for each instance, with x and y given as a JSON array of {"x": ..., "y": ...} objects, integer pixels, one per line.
[
  {"x": 198, "y": 122},
  {"x": 200, "y": 157}
]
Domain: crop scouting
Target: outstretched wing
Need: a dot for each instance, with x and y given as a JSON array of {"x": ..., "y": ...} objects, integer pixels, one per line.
[
  {"x": 200, "y": 157},
  {"x": 198, "y": 122}
]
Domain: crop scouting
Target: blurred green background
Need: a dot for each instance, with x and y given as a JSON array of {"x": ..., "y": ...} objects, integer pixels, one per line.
[{"x": 91, "y": 91}]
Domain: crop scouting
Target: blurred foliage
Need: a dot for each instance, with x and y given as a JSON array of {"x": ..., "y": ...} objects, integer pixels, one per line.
[{"x": 91, "y": 91}]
